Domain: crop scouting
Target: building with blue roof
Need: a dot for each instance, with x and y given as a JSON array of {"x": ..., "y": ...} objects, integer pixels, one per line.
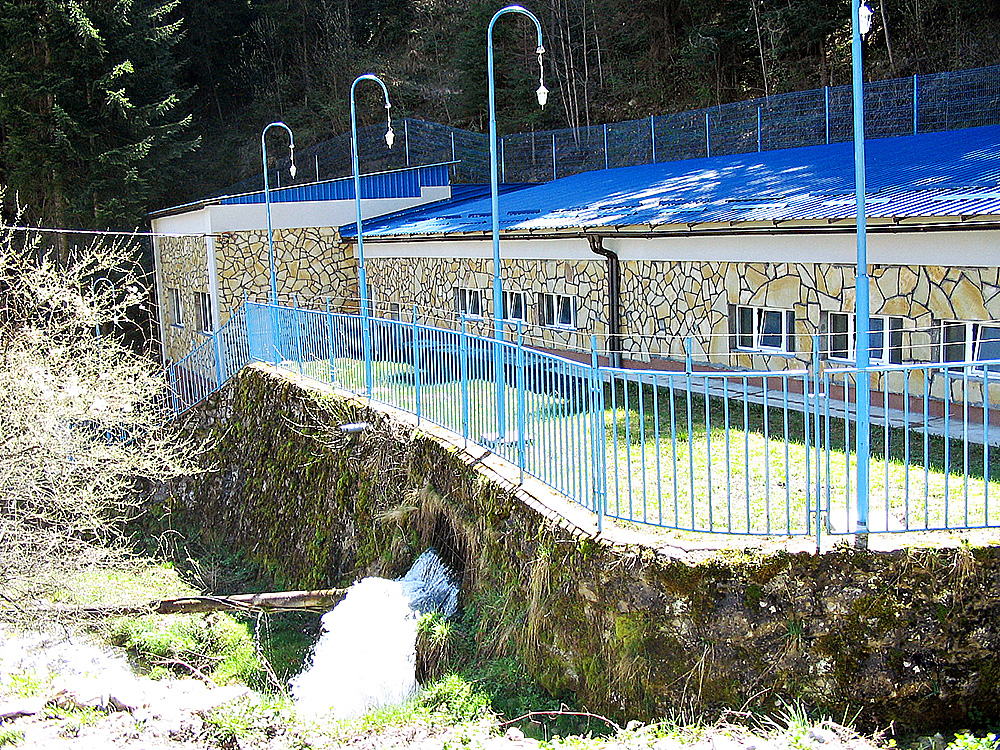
[{"x": 747, "y": 260}]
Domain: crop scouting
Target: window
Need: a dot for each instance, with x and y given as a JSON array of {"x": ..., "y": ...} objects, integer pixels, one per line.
[
  {"x": 203, "y": 307},
  {"x": 392, "y": 311},
  {"x": 760, "y": 329},
  {"x": 514, "y": 306},
  {"x": 965, "y": 342},
  {"x": 469, "y": 302},
  {"x": 557, "y": 311},
  {"x": 885, "y": 345},
  {"x": 174, "y": 307}
]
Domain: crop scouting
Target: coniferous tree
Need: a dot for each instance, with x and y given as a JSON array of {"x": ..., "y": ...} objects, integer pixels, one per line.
[{"x": 91, "y": 119}]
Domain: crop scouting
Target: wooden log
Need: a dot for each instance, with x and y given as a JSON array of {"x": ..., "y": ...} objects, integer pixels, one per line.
[{"x": 319, "y": 600}]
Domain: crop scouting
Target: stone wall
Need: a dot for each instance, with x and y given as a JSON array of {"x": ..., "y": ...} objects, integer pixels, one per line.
[
  {"x": 311, "y": 263},
  {"x": 430, "y": 283},
  {"x": 910, "y": 637},
  {"x": 183, "y": 265}
]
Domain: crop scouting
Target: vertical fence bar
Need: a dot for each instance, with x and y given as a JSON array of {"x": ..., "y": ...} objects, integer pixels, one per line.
[
  {"x": 708, "y": 136},
  {"x": 519, "y": 362},
  {"x": 815, "y": 407},
  {"x": 553, "y": 156},
  {"x": 329, "y": 333},
  {"x": 688, "y": 365},
  {"x": 606, "y": 146},
  {"x": 760, "y": 120},
  {"x": 219, "y": 378},
  {"x": 415, "y": 336},
  {"x": 298, "y": 330},
  {"x": 406, "y": 139},
  {"x": 826, "y": 109},
  {"x": 503, "y": 161},
  {"x": 915, "y": 105},
  {"x": 652, "y": 138},
  {"x": 463, "y": 343}
]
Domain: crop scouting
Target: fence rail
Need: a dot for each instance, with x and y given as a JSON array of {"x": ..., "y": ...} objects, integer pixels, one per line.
[
  {"x": 899, "y": 106},
  {"x": 733, "y": 452}
]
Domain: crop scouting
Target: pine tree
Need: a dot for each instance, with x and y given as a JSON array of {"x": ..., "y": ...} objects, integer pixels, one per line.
[{"x": 91, "y": 119}]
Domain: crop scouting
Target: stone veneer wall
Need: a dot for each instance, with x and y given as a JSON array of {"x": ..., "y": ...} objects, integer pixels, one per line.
[
  {"x": 311, "y": 263},
  {"x": 632, "y": 630},
  {"x": 662, "y": 302},
  {"x": 183, "y": 265},
  {"x": 430, "y": 283}
]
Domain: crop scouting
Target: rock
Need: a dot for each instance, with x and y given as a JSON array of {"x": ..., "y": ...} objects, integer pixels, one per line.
[
  {"x": 11, "y": 708},
  {"x": 823, "y": 736},
  {"x": 725, "y": 742},
  {"x": 667, "y": 743},
  {"x": 514, "y": 734}
]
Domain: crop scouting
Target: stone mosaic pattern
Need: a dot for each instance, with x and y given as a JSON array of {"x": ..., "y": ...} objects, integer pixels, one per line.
[
  {"x": 311, "y": 263},
  {"x": 430, "y": 283},
  {"x": 183, "y": 266}
]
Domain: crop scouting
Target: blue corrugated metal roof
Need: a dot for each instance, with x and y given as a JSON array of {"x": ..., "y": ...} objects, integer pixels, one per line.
[
  {"x": 401, "y": 183},
  {"x": 955, "y": 173}
]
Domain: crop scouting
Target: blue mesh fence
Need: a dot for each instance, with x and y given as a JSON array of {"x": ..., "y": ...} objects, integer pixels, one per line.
[{"x": 901, "y": 106}]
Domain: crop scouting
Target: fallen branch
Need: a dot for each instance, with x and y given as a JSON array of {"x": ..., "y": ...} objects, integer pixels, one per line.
[
  {"x": 586, "y": 714},
  {"x": 320, "y": 600}
]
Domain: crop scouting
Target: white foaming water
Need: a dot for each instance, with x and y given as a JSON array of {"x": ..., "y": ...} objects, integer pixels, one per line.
[
  {"x": 366, "y": 654},
  {"x": 47, "y": 654}
]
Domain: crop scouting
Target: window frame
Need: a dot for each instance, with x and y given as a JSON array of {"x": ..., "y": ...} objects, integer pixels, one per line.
[
  {"x": 551, "y": 302},
  {"x": 971, "y": 342},
  {"x": 507, "y": 296},
  {"x": 203, "y": 312},
  {"x": 175, "y": 308},
  {"x": 786, "y": 334},
  {"x": 892, "y": 339},
  {"x": 463, "y": 295}
]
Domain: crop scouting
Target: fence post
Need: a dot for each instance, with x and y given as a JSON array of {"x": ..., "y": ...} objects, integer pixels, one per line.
[
  {"x": 298, "y": 330},
  {"x": 416, "y": 360},
  {"x": 605, "y": 145},
  {"x": 688, "y": 362},
  {"x": 816, "y": 432},
  {"x": 329, "y": 333},
  {"x": 218, "y": 359},
  {"x": 406, "y": 139},
  {"x": 463, "y": 342},
  {"x": 553, "y": 156},
  {"x": 172, "y": 379},
  {"x": 520, "y": 397},
  {"x": 596, "y": 443},
  {"x": 708, "y": 136},
  {"x": 503, "y": 161},
  {"x": 915, "y": 103},
  {"x": 275, "y": 334},
  {"x": 760, "y": 119},
  {"x": 652, "y": 137},
  {"x": 826, "y": 107}
]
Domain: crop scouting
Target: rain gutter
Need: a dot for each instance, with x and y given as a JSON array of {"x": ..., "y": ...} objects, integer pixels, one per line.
[{"x": 615, "y": 350}]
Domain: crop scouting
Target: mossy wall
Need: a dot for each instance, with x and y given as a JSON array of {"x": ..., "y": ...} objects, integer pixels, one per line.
[{"x": 911, "y": 636}]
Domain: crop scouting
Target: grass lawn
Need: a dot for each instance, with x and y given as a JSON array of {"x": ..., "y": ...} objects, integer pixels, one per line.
[{"x": 690, "y": 461}]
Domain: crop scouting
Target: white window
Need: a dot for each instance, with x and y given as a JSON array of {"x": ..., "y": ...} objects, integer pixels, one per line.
[
  {"x": 203, "y": 307},
  {"x": 557, "y": 311},
  {"x": 469, "y": 302},
  {"x": 885, "y": 344},
  {"x": 515, "y": 306},
  {"x": 970, "y": 342},
  {"x": 174, "y": 310},
  {"x": 761, "y": 329},
  {"x": 392, "y": 310}
]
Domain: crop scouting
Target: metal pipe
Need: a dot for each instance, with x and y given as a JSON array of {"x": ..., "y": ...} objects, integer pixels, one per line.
[{"x": 615, "y": 349}]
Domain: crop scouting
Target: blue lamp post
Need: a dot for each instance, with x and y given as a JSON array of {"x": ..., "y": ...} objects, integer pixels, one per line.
[
  {"x": 861, "y": 16},
  {"x": 93, "y": 291},
  {"x": 267, "y": 198},
  {"x": 543, "y": 94},
  {"x": 366, "y": 338}
]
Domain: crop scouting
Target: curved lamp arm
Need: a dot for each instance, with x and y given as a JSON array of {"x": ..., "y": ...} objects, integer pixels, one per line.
[{"x": 267, "y": 197}]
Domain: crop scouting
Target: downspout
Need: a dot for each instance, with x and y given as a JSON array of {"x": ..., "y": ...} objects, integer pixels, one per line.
[{"x": 614, "y": 299}]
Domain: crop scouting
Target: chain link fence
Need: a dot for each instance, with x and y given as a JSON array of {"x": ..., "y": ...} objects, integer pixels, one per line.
[{"x": 896, "y": 107}]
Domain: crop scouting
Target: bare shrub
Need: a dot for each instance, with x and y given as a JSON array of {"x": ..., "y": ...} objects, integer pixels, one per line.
[{"x": 83, "y": 418}]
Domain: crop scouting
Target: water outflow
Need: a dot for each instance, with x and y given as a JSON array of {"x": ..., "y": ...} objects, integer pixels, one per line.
[{"x": 366, "y": 653}]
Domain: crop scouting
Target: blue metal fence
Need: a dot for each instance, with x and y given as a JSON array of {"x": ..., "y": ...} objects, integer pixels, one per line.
[
  {"x": 695, "y": 449},
  {"x": 899, "y": 106}
]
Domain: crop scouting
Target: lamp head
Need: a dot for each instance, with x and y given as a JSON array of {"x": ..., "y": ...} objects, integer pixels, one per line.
[
  {"x": 543, "y": 95},
  {"x": 291, "y": 169},
  {"x": 390, "y": 137},
  {"x": 864, "y": 19}
]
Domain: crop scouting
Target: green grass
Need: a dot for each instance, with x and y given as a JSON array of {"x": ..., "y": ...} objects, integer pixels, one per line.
[
  {"x": 691, "y": 463},
  {"x": 10, "y": 737}
]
